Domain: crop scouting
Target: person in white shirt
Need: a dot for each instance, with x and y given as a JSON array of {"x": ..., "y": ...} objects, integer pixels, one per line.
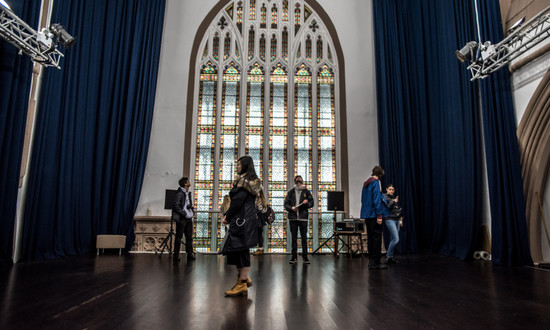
[{"x": 182, "y": 213}]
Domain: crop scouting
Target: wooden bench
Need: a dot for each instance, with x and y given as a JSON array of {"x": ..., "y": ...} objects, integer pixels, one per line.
[{"x": 111, "y": 242}]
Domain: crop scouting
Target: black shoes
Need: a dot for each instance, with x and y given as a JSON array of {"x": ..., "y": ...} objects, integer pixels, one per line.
[
  {"x": 306, "y": 261},
  {"x": 293, "y": 261},
  {"x": 390, "y": 261},
  {"x": 378, "y": 266},
  {"x": 190, "y": 257}
]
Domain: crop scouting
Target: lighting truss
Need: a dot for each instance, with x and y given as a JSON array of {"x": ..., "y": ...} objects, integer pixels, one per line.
[
  {"x": 525, "y": 37},
  {"x": 40, "y": 46}
]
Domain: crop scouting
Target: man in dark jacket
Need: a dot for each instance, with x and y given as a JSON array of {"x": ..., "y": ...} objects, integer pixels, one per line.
[
  {"x": 373, "y": 209},
  {"x": 297, "y": 202},
  {"x": 182, "y": 213}
]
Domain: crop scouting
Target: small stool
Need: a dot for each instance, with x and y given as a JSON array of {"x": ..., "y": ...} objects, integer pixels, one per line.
[{"x": 111, "y": 242}]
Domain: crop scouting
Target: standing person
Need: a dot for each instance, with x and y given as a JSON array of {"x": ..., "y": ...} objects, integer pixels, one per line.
[
  {"x": 243, "y": 223},
  {"x": 182, "y": 213},
  {"x": 373, "y": 209},
  {"x": 392, "y": 221},
  {"x": 298, "y": 201}
]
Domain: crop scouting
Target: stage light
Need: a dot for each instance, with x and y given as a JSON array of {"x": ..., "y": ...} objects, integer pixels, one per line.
[
  {"x": 467, "y": 52},
  {"x": 62, "y": 35},
  {"x": 5, "y": 4},
  {"x": 516, "y": 25}
]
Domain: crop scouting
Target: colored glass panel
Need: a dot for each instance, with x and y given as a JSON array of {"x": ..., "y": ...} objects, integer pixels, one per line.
[
  {"x": 216, "y": 48},
  {"x": 274, "y": 14},
  {"x": 229, "y": 128},
  {"x": 255, "y": 117},
  {"x": 303, "y": 159},
  {"x": 252, "y": 10},
  {"x": 285, "y": 11},
  {"x": 262, "y": 47},
  {"x": 251, "y": 36},
  {"x": 226, "y": 47},
  {"x": 285, "y": 45},
  {"x": 319, "y": 49},
  {"x": 273, "y": 48},
  {"x": 263, "y": 17},
  {"x": 326, "y": 140},
  {"x": 308, "y": 48}
]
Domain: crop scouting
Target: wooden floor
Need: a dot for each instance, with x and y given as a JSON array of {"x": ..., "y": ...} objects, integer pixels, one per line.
[{"x": 144, "y": 291}]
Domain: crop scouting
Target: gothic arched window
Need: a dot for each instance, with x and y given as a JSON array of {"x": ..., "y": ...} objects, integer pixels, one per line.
[{"x": 277, "y": 103}]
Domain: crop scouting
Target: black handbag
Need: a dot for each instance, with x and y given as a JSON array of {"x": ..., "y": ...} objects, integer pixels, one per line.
[{"x": 268, "y": 216}]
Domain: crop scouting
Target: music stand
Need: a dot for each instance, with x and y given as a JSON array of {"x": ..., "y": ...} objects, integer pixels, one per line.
[
  {"x": 335, "y": 202},
  {"x": 169, "y": 197}
]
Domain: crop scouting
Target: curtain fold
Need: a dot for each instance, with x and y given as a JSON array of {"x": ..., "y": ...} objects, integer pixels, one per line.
[
  {"x": 93, "y": 127},
  {"x": 15, "y": 82},
  {"x": 510, "y": 244},
  {"x": 428, "y": 123}
]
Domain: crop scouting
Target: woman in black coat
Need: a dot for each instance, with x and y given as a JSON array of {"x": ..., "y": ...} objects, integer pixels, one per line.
[{"x": 243, "y": 223}]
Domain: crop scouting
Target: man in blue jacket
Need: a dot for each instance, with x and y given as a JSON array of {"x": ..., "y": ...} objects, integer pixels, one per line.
[{"x": 373, "y": 209}]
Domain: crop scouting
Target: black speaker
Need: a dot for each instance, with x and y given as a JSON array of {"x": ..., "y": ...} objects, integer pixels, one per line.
[
  {"x": 169, "y": 197},
  {"x": 335, "y": 200}
]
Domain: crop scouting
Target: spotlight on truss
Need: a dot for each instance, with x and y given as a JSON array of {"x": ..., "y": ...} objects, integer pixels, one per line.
[
  {"x": 489, "y": 58},
  {"x": 41, "y": 46}
]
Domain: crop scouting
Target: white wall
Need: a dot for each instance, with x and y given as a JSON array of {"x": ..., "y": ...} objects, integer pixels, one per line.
[{"x": 353, "y": 23}]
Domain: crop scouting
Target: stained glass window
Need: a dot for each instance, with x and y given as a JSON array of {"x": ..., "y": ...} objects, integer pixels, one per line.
[
  {"x": 285, "y": 45},
  {"x": 205, "y": 52},
  {"x": 271, "y": 71},
  {"x": 255, "y": 116},
  {"x": 252, "y": 10},
  {"x": 251, "y": 39},
  {"x": 239, "y": 19},
  {"x": 216, "y": 49},
  {"x": 262, "y": 47},
  {"x": 263, "y": 16},
  {"x": 308, "y": 48},
  {"x": 319, "y": 49},
  {"x": 302, "y": 124},
  {"x": 273, "y": 48},
  {"x": 226, "y": 46},
  {"x": 297, "y": 16},
  {"x": 285, "y": 11},
  {"x": 278, "y": 132},
  {"x": 326, "y": 145},
  {"x": 204, "y": 170},
  {"x": 274, "y": 17}
]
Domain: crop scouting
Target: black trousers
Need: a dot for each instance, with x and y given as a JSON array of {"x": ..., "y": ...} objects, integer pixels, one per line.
[
  {"x": 294, "y": 226},
  {"x": 184, "y": 227},
  {"x": 374, "y": 241}
]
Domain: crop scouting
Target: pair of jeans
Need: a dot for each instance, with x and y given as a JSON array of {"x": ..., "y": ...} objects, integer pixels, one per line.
[
  {"x": 393, "y": 227},
  {"x": 294, "y": 226}
]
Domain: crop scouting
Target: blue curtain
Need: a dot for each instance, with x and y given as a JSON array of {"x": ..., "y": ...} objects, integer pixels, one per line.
[
  {"x": 429, "y": 123},
  {"x": 93, "y": 127},
  {"x": 510, "y": 244},
  {"x": 15, "y": 82}
]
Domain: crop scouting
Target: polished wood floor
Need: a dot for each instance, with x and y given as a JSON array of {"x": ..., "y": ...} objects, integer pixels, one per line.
[{"x": 144, "y": 291}]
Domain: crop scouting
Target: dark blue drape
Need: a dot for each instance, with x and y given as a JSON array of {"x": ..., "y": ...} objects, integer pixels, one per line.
[
  {"x": 429, "y": 140},
  {"x": 15, "y": 82},
  {"x": 510, "y": 244},
  {"x": 93, "y": 127}
]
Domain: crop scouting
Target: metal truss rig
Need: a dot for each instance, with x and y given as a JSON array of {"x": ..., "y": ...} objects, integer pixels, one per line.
[
  {"x": 527, "y": 36},
  {"x": 40, "y": 46}
]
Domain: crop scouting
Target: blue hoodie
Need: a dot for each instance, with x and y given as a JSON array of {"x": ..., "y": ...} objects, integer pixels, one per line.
[{"x": 373, "y": 203}]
